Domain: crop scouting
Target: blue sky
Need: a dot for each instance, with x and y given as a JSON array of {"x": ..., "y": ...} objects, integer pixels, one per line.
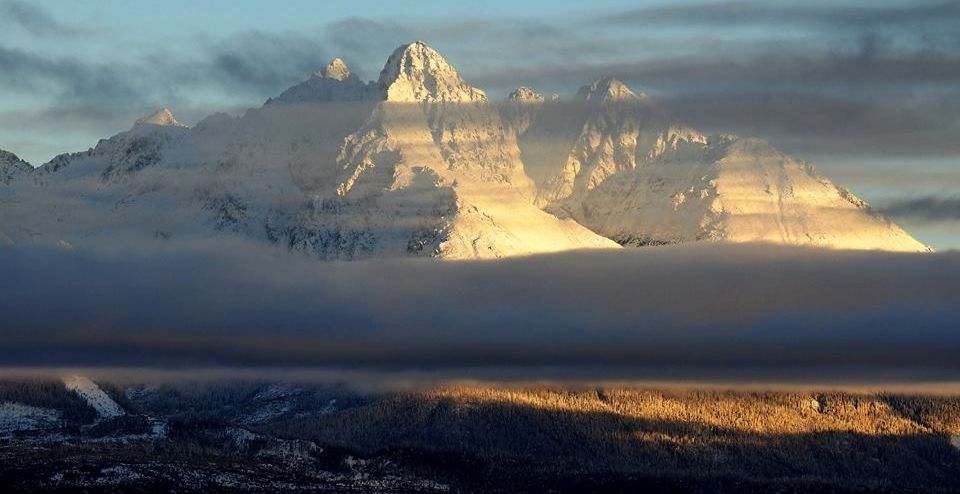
[{"x": 868, "y": 91}]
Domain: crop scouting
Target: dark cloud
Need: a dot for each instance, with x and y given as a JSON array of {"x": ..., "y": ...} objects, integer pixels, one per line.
[
  {"x": 68, "y": 79},
  {"x": 35, "y": 20},
  {"x": 364, "y": 43},
  {"x": 873, "y": 97},
  {"x": 821, "y": 78},
  {"x": 776, "y": 70},
  {"x": 253, "y": 63},
  {"x": 804, "y": 123},
  {"x": 864, "y": 81},
  {"x": 256, "y": 62},
  {"x": 729, "y": 307},
  {"x": 833, "y": 14},
  {"x": 103, "y": 98},
  {"x": 928, "y": 209}
]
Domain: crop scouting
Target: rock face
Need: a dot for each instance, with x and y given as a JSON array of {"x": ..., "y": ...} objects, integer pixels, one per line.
[
  {"x": 614, "y": 162},
  {"x": 521, "y": 108},
  {"x": 12, "y": 167},
  {"x": 163, "y": 117},
  {"x": 334, "y": 83},
  {"x": 524, "y": 94},
  {"x": 420, "y": 163},
  {"x": 434, "y": 166},
  {"x": 416, "y": 73}
]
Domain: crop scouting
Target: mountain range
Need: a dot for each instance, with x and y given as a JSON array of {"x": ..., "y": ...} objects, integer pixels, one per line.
[{"x": 421, "y": 163}]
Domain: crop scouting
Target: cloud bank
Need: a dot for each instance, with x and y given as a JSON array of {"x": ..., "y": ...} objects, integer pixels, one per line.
[
  {"x": 931, "y": 209},
  {"x": 35, "y": 20},
  {"x": 723, "y": 307}
]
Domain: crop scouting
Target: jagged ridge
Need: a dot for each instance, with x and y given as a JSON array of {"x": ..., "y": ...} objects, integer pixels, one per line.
[{"x": 419, "y": 162}]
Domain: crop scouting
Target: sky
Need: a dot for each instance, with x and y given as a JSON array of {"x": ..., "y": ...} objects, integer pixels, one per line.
[{"x": 867, "y": 91}]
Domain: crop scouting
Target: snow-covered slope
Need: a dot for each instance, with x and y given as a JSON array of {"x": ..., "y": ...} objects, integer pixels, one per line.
[
  {"x": 415, "y": 163},
  {"x": 162, "y": 117},
  {"x": 17, "y": 417},
  {"x": 619, "y": 165},
  {"x": 420, "y": 163},
  {"x": 434, "y": 165},
  {"x": 12, "y": 167},
  {"x": 94, "y": 396},
  {"x": 334, "y": 83}
]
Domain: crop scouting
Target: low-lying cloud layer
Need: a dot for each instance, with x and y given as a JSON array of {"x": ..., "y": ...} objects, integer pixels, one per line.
[
  {"x": 931, "y": 209},
  {"x": 722, "y": 307}
]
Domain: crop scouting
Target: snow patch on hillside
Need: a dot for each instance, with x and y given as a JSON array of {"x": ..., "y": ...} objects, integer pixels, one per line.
[
  {"x": 15, "y": 417},
  {"x": 94, "y": 396}
]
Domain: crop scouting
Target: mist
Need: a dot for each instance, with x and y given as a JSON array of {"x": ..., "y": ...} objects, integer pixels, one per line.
[{"x": 721, "y": 307}]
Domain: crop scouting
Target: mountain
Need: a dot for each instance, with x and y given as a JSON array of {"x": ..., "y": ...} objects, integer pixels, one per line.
[
  {"x": 12, "y": 167},
  {"x": 421, "y": 163},
  {"x": 415, "y": 163},
  {"x": 162, "y": 117},
  {"x": 433, "y": 166},
  {"x": 619, "y": 165},
  {"x": 334, "y": 83}
]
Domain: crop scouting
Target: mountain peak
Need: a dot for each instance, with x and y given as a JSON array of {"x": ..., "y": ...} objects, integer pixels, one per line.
[
  {"x": 8, "y": 157},
  {"x": 11, "y": 166},
  {"x": 337, "y": 69},
  {"x": 608, "y": 89},
  {"x": 162, "y": 117},
  {"x": 524, "y": 94},
  {"x": 416, "y": 73},
  {"x": 333, "y": 83}
]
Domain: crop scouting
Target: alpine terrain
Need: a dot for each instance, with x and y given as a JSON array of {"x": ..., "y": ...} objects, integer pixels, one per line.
[{"x": 420, "y": 163}]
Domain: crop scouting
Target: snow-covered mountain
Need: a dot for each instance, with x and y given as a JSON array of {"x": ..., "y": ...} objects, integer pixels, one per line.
[
  {"x": 334, "y": 83},
  {"x": 619, "y": 165},
  {"x": 420, "y": 163},
  {"x": 12, "y": 167},
  {"x": 434, "y": 160}
]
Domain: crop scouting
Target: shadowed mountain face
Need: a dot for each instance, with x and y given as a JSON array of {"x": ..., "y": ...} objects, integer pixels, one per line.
[{"x": 420, "y": 163}]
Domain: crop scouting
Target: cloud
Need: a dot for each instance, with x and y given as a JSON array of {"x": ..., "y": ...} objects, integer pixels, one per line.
[
  {"x": 70, "y": 81},
  {"x": 254, "y": 63},
  {"x": 909, "y": 126},
  {"x": 35, "y": 20},
  {"x": 833, "y": 14},
  {"x": 726, "y": 307},
  {"x": 103, "y": 97},
  {"x": 365, "y": 43},
  {"x": 931, "y": 209},
  {"x": 827, "y": 78}
]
